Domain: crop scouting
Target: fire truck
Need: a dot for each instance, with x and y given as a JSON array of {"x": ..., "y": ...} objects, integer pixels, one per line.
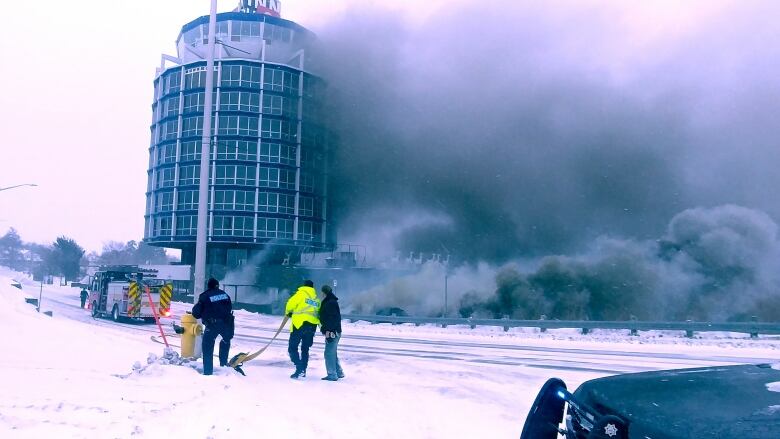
[{"x": 119, "y": 292}]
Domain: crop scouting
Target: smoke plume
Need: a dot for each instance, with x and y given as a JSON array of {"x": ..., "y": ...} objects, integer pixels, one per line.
[
  {"x": 534, "y": 128},
  {"x": 718, "y": 264},
  {"x": 517, "y": 133}
]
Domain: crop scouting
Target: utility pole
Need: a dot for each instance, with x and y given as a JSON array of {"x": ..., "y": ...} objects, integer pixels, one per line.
[
  {"x": 446, "y": 264},
  {"x": 205, "y": 162},
  {"x": 446, "y": 273},
  {"x": 40, "y": 296}
]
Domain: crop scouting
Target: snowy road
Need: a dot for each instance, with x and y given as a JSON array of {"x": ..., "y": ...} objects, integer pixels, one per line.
[
  {"x": 402, "y": 380},
  {"x": 254, "y": 330}
]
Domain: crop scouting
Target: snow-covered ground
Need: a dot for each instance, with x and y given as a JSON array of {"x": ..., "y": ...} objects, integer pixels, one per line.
[{"x": 72, "y": 376}]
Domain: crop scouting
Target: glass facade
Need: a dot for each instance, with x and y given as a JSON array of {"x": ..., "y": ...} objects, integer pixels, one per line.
[{"x": 268, "y": 168}]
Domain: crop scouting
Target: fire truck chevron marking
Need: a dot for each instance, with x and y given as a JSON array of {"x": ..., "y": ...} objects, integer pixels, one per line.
[
  {"x": 134, "y": 305},
  {"x": 165, "y": 298}
]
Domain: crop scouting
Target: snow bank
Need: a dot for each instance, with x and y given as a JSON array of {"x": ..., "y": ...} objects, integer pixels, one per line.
[{"x": 65, "y": 378}]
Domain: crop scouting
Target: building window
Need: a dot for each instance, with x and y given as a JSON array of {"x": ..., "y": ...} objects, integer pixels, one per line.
[
  {"x": 163, "y": 225},
  {"x": 190, "y": 151},
  {"x": 231, "y": 75},
  {"x": 268, "y": 202},
  {"x": 308, "y": 182},
  {"x": 272, "y": 202},
  {"x": 244, "y": 226},
  {"x": 239, "y": 101},
  {"x": 187, "y": 200},
  {"x": 170, "y": 107},
  {"x": 312, "y": 159},
  {"x": 222, "y": 29},
  {"x": 277, "y": 33},
  {"x": 168, "y": 130},
  {"x": 165, "y": 178},
  {"x": 305, "y": 231},
  {"x": 277, "y": 178},
  {"x": 164, "y": 201},
  {"x": 312, "y": 136},
  {"x": 241, "y": 175},
  {"x": 279, "y": 129},
  {"x": 277, "y": 105},
  {"x": 192, "y": 37},
  {"x": 272, "y": 105},
  {"x": 192, "y": 126},
  {"x": 234, "y": 200},
  {"x": 280, "y": 80},
  {"x": 189, "y": 175},
  {"x": 274, "y": 228},
  {"x": 277, "y": 153},
  {"x": 194, "y": 102},
  {"x": 166, "y": 153},
  {"x": 186, "y": 225},
  {"x": 228, "y": 100},
  {"x": 245, "y": 200},
  {"x": 306, "y": 206},
  {"x": 173, "y": 82},
  {"x": 225, "y": 225},
  {"x": 286, "y": 204},
  {"x": 195, "y": 78},
  {"x": 238, "y": 125},
  {"x": 236, "y": 150},
  {"x": 250, "y": 76},
  {"x": 240, "y": 76},
  {"x": 317, "y": 208},
  {"x": 312, "y": 87},
  {"x": 243, "y": 30},
  {"x": 317, "y": 231}
]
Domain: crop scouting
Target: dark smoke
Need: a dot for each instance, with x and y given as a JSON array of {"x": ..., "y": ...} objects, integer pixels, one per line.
[
  {"x": 520, "y": 130},
  {"x": 712, "y": 264},
  {"x": 511, "y": 122},
  {"x": 719, "y": 264}
]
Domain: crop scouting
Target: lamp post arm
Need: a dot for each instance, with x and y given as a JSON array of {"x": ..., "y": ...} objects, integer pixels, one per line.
[{"x": 18, "y": 185}]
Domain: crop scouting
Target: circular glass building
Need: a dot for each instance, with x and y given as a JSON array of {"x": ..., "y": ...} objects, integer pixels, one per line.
[{"x": 268, "y": 184}]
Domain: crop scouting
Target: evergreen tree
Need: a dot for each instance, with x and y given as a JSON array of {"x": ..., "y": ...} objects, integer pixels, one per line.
[
  {"x": 11, "y": 247},
  {"x": 65, "y": 257},
  {"x": 147, "y": 254},
  {"x": 132, "y": 253}
]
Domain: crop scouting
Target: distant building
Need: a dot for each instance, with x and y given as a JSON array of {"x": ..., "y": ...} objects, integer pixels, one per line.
[{"x": 268, "y": 188}]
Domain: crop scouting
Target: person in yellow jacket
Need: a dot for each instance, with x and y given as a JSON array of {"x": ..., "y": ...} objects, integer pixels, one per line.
[{"x": 303, "y": 308}]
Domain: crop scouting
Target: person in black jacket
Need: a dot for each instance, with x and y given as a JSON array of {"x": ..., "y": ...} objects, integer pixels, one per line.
[
  {"x": 215, "y": 309},
  {"x": 330, "y": 326},
  {"x": 84, "y": 295}
]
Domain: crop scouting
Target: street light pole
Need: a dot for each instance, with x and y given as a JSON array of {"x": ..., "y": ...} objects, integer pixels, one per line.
[
  {"x": 446, "y": 273},
  {"x": 18, "y": 185},
  {"x": 40, "y": 296},
  {"x": 205, "y": 155}
]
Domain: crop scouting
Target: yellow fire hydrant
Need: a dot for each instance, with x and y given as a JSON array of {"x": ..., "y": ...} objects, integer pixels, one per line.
[{"x": 192, "y": 329}]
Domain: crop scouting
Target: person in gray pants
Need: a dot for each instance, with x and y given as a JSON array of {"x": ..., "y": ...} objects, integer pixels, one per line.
[{"x": 330, "y": 326}]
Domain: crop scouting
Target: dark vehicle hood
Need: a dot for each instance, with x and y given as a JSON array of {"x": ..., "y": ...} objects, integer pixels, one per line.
[{"x": 715, "y": 402}]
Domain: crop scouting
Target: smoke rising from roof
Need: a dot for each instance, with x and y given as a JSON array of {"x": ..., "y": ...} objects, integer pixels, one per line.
[
  {"x": 525, "y": 131},
  {"x": 532, "y": 130},
  {"x": 711, "y": 264}
]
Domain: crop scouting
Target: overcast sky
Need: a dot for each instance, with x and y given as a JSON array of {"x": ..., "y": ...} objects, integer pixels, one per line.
[{"x": 78, "y": 75}]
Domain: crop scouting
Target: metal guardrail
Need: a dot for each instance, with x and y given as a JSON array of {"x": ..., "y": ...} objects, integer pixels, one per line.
[{"x": 753, "y": 328}]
